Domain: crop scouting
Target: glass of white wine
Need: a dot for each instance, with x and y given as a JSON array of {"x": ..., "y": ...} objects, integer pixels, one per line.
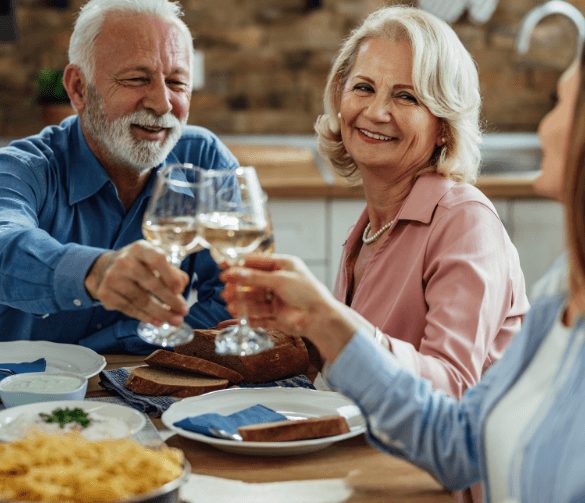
[
  {"x": 170, "y": 223},
  {"x": 232, "y": 221},
  {"x": 267, "y": 245}
]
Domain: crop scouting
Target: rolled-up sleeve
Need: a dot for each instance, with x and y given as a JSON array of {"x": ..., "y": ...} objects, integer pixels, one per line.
[
  {"x": 38, "y": 274},
  {"x": 405, "y": 417}
]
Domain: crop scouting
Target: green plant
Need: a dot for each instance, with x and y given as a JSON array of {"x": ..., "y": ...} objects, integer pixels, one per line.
[{"x": 50, "y": 88}]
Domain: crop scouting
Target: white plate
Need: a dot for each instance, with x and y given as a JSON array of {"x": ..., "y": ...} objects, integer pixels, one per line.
[
  {"x": 133, "y": 421},
  {"x": 294, "y": 403},
  {"x": 68, "y": 357}
]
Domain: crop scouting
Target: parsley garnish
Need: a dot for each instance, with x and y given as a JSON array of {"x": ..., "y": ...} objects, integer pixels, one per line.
[{"x": 65, "y": 416}]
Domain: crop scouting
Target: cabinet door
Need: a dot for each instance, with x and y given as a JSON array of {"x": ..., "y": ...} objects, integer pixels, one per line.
[
  {"x": 503, "y": 207},
  {"x": 537, "y": 230},
  {"x": 343, "y": 214},
  {"x": 300, "y": 229}
]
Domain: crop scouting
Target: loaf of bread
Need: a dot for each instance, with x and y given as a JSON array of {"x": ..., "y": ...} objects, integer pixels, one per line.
[
  {"x": 162, "y": 358},
  {"x": 287, "y": 358},
  {"x": 302, "y": 429},
  {"x": 152, "y": 381}
]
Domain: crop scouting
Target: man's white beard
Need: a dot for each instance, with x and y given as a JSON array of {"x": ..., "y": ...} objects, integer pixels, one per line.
[{"x": 115, "y": 137}]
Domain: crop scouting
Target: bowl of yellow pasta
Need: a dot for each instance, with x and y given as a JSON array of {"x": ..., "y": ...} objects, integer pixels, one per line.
[{"x": 69, "y": 468}]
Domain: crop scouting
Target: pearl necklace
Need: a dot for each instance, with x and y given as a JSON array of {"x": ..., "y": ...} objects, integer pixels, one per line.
[{"x": 370, "y": 239}]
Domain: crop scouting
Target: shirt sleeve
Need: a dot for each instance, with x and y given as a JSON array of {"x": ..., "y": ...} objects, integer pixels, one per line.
[
  {"x": 474, "y": 290},
  {"x": 406, "y": 418},
  {"x": 38, "y": 274}
]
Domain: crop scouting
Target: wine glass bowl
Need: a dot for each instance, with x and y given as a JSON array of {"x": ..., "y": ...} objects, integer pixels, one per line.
[
  {"x": 233, "y": 222},
  {"x": 267, "y": 245},
  {"x": 170, "y": 223}
]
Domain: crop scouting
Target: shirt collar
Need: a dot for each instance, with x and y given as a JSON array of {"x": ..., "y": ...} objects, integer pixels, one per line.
[
  {"x": 86, "y": 174},
  {"x": 422, "y": 200}
]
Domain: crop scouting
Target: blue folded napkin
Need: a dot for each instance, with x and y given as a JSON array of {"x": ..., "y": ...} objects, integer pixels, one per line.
[
  {"x": 39, "y": 365},
  {"x": 115, "y": 380},
  {"x": 256, "y": 414}
]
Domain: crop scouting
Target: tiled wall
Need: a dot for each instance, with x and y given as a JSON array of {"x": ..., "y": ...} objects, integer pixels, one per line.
[{"x": 266, "y": 61}]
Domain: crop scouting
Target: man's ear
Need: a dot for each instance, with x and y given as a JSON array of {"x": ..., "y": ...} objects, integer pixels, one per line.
[{"x": 76, "y": 86}]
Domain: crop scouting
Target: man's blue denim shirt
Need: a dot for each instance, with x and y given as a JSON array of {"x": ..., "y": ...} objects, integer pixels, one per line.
[{"x": 59, "y": 210}]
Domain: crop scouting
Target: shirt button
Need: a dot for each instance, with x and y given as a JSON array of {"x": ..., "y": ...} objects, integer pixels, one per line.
[
  {"x": 77, "y": 302},
  {"x": 99, "y": 326}
]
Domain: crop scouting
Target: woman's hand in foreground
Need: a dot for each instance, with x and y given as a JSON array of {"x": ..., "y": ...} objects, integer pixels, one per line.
[{"x": 280, "y": 292}]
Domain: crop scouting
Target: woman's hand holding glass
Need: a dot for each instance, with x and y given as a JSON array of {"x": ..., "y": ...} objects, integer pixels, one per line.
[
  {"x": 299, "y": 304},
  {"x": 170, "y": 224},
  {"x": 233, "y": 221}
]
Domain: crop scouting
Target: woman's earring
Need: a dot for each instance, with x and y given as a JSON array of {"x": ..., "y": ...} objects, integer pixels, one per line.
[{"x": 339, "y": 115}]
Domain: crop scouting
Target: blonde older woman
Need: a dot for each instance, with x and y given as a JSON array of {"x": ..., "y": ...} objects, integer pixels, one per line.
[
  {"x": 520, "y": 430},
  {"x": 428, "y": 268}
]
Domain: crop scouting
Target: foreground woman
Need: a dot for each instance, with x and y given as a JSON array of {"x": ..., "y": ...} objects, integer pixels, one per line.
[{"x": 520, "y": 430}]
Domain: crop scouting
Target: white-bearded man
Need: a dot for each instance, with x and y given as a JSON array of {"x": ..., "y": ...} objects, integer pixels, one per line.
[{"x": 73, "y": 263}]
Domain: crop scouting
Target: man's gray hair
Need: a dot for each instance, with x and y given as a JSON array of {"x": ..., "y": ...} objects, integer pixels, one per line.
[{"x": 91, "y": 17}]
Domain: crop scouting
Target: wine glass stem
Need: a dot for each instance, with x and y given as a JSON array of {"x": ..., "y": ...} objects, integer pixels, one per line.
[
  {"x": 242, "y": 305},
  {"x": 175, "y": 259},
  {"x": 242, "y": 309}
]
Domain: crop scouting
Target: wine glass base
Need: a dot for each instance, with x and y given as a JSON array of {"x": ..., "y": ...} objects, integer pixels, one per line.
[
  {"x": 240, "y": 341},
  {"x": 166, "y": 335}
]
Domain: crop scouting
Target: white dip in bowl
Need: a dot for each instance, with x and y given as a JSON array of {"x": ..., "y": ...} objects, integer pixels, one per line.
[{"x": 21, "y": 389}]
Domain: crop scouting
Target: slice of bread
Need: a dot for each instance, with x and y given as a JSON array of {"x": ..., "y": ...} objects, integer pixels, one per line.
[
  {"x": 162, "y": 358},
  {"x": 287, "y": 358},
  {"x": 302, "y": 429},
  {"x": 151, "y": 381}
]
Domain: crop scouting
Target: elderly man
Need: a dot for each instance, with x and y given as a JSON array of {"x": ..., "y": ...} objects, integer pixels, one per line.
[{"x": 73, "y": 265}]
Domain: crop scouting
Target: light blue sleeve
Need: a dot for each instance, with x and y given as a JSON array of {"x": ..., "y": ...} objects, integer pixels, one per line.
[
  {"x": 405, "y": 416},
  {"x": 408, "y": 419},
  {"x": 38, "y": 274}
]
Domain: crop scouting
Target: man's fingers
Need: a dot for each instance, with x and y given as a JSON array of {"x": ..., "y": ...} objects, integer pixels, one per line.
[
  {"x": 118, "y": 302},
  {"x": 129, "y": 297},
  {"x": 156, "y": 262}
]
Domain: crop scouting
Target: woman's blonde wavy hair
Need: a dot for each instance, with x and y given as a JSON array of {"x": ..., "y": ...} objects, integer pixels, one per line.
[{"x": 445, "y": 81}]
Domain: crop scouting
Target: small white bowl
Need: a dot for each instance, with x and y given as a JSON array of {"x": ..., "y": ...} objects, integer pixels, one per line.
[{"x": 21, "y": 389}]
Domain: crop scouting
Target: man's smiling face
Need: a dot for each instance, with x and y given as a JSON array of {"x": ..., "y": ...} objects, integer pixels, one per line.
[{"x": 140, "y": 95}]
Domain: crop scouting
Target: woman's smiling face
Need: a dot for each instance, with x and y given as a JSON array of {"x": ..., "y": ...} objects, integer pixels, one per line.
[{"x": 383, "y": 123}]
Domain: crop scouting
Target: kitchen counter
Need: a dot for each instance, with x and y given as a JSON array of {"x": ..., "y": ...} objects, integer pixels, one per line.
[
  {"x": 292, "y": 172},
  {"x": 290, "y": 167}
]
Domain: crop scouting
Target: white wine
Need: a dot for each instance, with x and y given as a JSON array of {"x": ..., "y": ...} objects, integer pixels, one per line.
[
  {"x": 266, "y": 246},
  {"x": 178, "y": 235},
  {"x": 230, "y": 235}
]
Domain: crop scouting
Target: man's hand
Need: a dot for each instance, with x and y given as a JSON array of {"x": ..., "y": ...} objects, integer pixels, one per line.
[{"x": 138, "y": 281}]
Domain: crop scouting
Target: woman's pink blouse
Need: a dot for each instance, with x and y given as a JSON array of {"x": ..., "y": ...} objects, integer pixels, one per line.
[{"x": 445, "y": 288}]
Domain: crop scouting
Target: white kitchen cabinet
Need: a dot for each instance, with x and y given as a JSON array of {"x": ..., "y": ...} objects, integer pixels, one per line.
[
  {"x": 315, "y": 230},
  {"x": 537, "y": 229},
  {"x": 342, "y": 215},
  {"x": 504, "y": 212},
  {"x": 300, "y": 228}
]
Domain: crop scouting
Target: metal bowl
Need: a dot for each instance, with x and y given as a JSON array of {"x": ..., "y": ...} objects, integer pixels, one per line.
[{"x": 169, "y": 493}]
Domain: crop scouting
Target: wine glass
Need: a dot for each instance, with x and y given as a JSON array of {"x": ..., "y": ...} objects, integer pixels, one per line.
[
  {"x": 232, "y": 220},
  {"x": 170, "y": 223},
  {"x": 266, "y": 246}
]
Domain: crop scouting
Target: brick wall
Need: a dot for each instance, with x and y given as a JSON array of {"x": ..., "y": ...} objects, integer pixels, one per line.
[{"x": 266, "y": 61}]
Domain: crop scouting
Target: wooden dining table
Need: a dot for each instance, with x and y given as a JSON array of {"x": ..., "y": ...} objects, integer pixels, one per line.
[{"x": 375, "y": 477}]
